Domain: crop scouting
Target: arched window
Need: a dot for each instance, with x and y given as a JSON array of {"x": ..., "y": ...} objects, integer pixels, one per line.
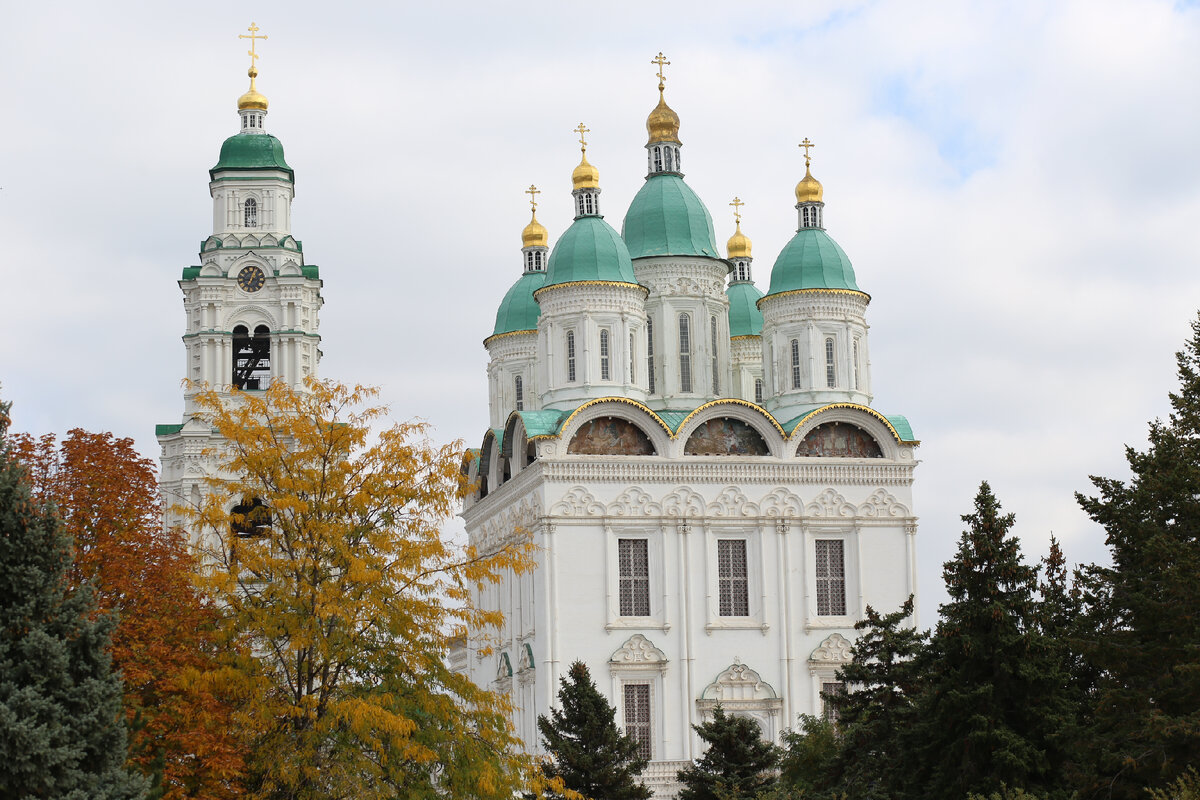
[
  {"x": 570, "y": 356},
  {"x": 830, "y": 371},
  {"x": 658, "y": 158},
  {"x": 667, "y": 160},
  {"x": 685, "y": 353},
  {"x": 605, "y": 373},
  {"x": 650, "y": 354},
  {"x": 716, "y": 376},
  {"x": 251, "y": 358},
  {"x": 245, "y": 122},
  {"x": 529, "y": 260},
  {"x": 251, "y": 517},
  {"x": 251, "y": 213},
  {"x": 795, "y": 363},
  {"x": 758, "y": 394},
  {"x": 519, "y": 390}
]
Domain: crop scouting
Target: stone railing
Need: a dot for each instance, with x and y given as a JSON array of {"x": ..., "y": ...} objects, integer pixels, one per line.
[{"x": 660, "y": 777}]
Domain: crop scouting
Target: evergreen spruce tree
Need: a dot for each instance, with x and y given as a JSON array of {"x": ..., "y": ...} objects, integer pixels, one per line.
[
  {"x": 993, "y": 706},
  {"x": 1145, "y": 608},
  {"x": 884, "y": 679},
  {"x": 62, "y": 728},
  {"x": 591, "y": 754},
  {"x": 808, "y": 763},
  {"x": 738, "y": 764}
]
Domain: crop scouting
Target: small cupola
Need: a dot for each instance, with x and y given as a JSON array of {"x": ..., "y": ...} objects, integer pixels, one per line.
[
  {"x": 662, "y": 148},
  {"x": 585, "y": 181},
  {"x": 252, "y": 106},
  {"x": 534, "y": 238},
  {"x": 738, "y": 247},
  {"x": 809, "y": 194}
]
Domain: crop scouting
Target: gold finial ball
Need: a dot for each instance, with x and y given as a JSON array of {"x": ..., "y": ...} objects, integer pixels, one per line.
[
  {"x": 252, "y": 98},
  {"x": 738, "y": 245},
  {"x": 585, "y": 175},
  {"x": 663, "y": 123},
  {"x": 535, "y": 234},
  {"x": 809, "y": 189}
]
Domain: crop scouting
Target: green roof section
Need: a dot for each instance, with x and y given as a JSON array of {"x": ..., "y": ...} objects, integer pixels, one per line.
[
  {"x": 542, "y": 423},
  {"x": 518, "y": 310},
  {"x": 311, "y": 271},
  {"x": 167, "y": 430},
  {"x": 666, "y": 218},
  {"x": 252, "y": 151},
  {"x": 190, "y": 273},
  {"x": 812, "y": 260},
  {"x": 744, "y": 317},
  {"x": 589, "y": 250},
  {"x": 674, "y": 417},
  {"x": 900, "y": 423}
]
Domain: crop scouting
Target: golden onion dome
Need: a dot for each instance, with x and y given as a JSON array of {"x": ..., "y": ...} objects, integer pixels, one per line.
[
  {"x": 535, "y": 234},
  {"x": 809, "y": 189},
  {"x": 252, "y": 99},
  {"x": 739, "y": 244},
  {"x": 663, "y": 122},
  {"x": 585, "y": 175}
]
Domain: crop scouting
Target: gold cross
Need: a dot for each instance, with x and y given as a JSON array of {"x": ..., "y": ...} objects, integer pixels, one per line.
[
  {"x": 661, "y": 61},
  {"x": 533, "y": 192},
  {"x": 581, "y": 130},
  {"x": 737, "y": 209},
  {"x": 252, "y": 37},
  {"x": 807, "y": 144}
]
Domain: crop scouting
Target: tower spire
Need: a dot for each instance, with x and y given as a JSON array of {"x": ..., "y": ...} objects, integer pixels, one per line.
[
  {"x": 738, "y": 247},
  {"x": 662, "y": 125},
  {"x": 585, "y": 180},
  {"x": 534, "y": 239},
  {"x": 252, "y": 106},
  {"x": 809, "y": 193}
]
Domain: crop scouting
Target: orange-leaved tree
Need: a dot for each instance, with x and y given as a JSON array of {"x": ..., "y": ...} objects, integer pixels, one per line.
[
  {"x": 165, "y": 640},
  {"x": 326, "y": 553}
]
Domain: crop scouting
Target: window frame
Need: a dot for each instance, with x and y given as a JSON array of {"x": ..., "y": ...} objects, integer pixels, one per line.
[
  {"x": 830, "y": 362},
  {"x": 605, "y": 355},
  {"x": 627, "y": 584},
  {"x": 796, "y": 375},
  {"x": 733, "y": 590},
  {"x": 572, "y": 375},
  {"x": 646, "y": 742},
  {"x": 685, "y": 353}
]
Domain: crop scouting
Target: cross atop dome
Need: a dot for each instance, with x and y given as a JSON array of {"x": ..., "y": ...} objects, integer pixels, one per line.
[
  {"x": 252, "y": 100},
  {"x": 661, "y": 61}
]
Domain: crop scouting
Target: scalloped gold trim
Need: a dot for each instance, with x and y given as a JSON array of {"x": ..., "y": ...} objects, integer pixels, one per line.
[
  {"x": 590, "y": 283},
  {"x": 758, "y": 303},
  {"x": 495, "y": 336},
  {"x": 737, "y": 402},
  {"x": 745, "y": 336},
  {"x": 624, "y": 400},
  {"x": 855, "y": 406}
]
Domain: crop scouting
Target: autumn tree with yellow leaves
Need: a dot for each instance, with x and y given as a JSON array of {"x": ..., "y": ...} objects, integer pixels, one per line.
[{"x": 341, "y": 596}]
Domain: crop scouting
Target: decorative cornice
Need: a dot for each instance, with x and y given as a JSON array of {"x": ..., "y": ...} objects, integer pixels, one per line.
[
  {"x": 600, "y": 400},
  {"x": 866, "y": 409},
  {"x": 496, "y": 336},
  {"x": 736, "y": 402},
  {"x": 794, "y": 292},
  {"x": 614, "y": 284}
]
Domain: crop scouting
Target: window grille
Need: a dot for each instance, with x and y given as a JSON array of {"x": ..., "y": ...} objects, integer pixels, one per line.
[
  {"x": 830, "y": 371},
  {"x": 758, "y": 392},
  {"x": 667, "y": 158},
  {"x": 716, "y": 375},
  {"x": 831, "y": 577},
  {"x": 520, "y": 392},
  {"x": 633, "y": 569},
  {"x": 856, "y": 379},
  {"x": 650, "y": 354},
  {"x": 604, "y": 359},
  {"x": 632, "y": 360},
  {"x": 733, "y": 596},
  {"x": 795, "y": 363},
  {"x": 658, "y": 159},
  {"x": 251, "y": 358},
  {"x": 685, "y": 354},
  {"x": 251, "y": 213},
  {"x": 570, "y": 356},
  {"x": 637, "y": 717},
  {"x": 828, "y": 690}
]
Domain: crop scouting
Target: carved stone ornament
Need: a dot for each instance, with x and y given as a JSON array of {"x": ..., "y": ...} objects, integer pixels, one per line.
[
  {"x": 634, "y": 502},
  {"x": 882, "y": 504},
  {"x": 638, "y": 653},
  {"x": 740, "y": 688},
  {"x": 830, "y": 504},
  {"x": 578, "y": 502},
  {"x": 834, "y": 650}
]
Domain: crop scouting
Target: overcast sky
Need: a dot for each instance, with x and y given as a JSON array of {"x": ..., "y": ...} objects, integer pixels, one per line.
[{"x": 1016, "y": 184}]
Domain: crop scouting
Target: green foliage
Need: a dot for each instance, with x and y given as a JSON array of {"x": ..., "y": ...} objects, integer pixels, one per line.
[
  {"x": 1185, "y": 787},
  {"x": 62, "y": 728},
  {"x": 1007, "y": 794},
  {"x": 808, "y": 765},
  {"x": 994, "y": 698},
  {"x": 738, "y": 764},
  {"x": 591, "y": 754},
  {"x": 1144, "y": 610}
]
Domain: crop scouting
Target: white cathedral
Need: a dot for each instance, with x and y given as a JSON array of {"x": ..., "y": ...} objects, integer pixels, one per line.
[{"x": 713, "y": 499}]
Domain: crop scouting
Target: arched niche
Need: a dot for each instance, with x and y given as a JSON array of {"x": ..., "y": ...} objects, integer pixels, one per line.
[
  {"x": 725, "y": 436},
  {"x": 610, "y": 436},
  {"x": 838, "y": 440}
]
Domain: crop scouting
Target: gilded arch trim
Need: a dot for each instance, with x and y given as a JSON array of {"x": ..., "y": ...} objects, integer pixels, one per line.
[{"x": 855, "y": 406}]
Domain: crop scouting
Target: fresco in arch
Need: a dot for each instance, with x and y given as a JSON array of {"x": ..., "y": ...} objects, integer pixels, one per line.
[
  {"x": 839, "y": 440},
  {"x": 725, "y": 437},
  {"x": 610, "y": 436}
]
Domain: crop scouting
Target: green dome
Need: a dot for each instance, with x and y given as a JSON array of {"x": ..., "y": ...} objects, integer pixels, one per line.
[
  {"x": 666, "y": 218},
  {"x": 518, "y": 310},
  {"x": 251, "y": 151},
  {"x": 812, "y": 260},
  {"x": 589, "y": 250},
  {"x": 744, "y": 317}
]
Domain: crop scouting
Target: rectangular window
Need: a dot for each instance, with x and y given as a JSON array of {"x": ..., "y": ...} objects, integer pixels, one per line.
[
  {"x": 831, "y": 577},
  {"x": 650, "y": 355},
  {"x": 733, "y": 595},
  {"x": 520, "y": 392},
  {"x": 830, "y": 372},
  {"x": 685, "y": 354},
  {"x": 856, "y": 363},
  {"x": 828, "y": 690},
  {"x": 758, "y": 395},
  {"x": 637, "y": 717},
  {"x": 632, "y": 360},
  {"x": 795, "y": 363},
  {"x": 605, "y": 372},
  {"x": 633, "y": 569},
  {"x": 715, "y": 373},
  {"x": 570, "y": 356}
]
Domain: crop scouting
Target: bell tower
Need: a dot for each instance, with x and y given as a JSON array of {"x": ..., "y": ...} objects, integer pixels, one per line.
[{"x": 251, "y": 304}]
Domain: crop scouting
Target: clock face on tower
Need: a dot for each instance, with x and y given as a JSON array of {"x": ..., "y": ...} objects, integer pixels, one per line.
[{"x": 251, "y": 279}]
